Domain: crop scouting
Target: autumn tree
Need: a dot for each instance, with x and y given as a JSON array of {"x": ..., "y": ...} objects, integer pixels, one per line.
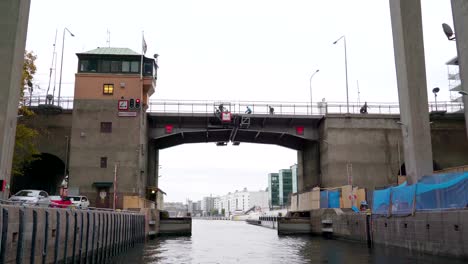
[{"x": 25, "y": 147}]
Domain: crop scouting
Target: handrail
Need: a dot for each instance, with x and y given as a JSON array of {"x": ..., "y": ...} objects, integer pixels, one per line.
[{"x": 257, "y": 107}]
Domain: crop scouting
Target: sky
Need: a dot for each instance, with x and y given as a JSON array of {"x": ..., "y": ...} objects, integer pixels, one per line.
[{"x": 255, "y": 50}]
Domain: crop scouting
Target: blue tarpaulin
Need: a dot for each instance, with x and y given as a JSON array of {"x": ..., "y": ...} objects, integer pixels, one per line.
[{"x": 440, "y": 191}]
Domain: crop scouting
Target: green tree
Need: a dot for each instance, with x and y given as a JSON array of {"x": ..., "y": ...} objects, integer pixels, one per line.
[
  {"x": 214, "y": 212},
  {"x": 25, "y": 147}
]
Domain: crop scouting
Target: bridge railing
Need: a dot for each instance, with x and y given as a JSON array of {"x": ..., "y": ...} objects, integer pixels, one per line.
[
  {"x": 66, "y": 102},
  {"x": 287, "y": 108},
  {"x": 257, "y": 107}
]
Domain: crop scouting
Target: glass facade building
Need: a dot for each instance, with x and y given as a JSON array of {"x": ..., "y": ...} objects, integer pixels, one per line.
[
  {"x": 285, "y": 186},
  {"x": 294, "y": 178},
  {"x": 273, "y": 189}
]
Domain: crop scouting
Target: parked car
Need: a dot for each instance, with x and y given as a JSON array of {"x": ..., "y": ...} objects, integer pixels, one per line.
[
  {"x": 79, "y": 201},
  {"x": 60, "y": 202},
  {"x": 31, "y": 197}
]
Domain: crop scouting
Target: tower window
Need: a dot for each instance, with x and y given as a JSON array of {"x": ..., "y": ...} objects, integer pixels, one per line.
[
  {"x": 106, "y": 127},
  {"x": 103, "y": 162},
  {"x": 108, "y": 89}
]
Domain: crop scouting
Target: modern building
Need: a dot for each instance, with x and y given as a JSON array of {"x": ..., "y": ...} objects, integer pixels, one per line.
[
  {"x": 294, "y": 178},
  {"x": 285, "y": 186},
  {"x": 207, "y": 205},
  {"x": 273, "y": 190},
  {"x": 239, "y": 202},
  {"x": 112, "y": 87}
]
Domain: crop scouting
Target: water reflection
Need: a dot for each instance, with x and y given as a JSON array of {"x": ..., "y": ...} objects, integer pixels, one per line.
[{"x": 237, "y": 242}]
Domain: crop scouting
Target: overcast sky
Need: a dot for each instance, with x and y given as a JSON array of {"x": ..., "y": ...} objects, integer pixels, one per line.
[{"x": 241, "y": 50}]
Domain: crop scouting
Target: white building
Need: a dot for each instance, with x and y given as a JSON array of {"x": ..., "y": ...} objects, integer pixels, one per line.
[
  {"x": 239, "y": 202},
  {"x": 207, "y": 204}
]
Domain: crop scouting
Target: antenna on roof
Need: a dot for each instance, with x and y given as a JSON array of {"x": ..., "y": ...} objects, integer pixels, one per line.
[{"x": 108, "y": 38}]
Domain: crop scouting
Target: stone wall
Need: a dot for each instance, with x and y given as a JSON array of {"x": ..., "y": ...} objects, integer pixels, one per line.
[{"x": 46, "y": 235}]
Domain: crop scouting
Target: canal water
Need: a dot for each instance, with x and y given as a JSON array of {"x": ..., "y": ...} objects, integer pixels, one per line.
[{"x": 238, "y": 242}]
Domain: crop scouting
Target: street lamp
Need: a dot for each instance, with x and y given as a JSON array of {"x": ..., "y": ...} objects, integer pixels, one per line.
[
  {"x": 346, "y": 71},
  {"x": 310, "y": 85},
  {"x": 435, "y": 91},
  {"x": 448, "y": 32},
  {"x": 61, "y": 64}
]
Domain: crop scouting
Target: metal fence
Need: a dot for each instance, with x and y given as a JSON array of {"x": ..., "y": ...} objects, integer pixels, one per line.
[
  {"x": 256, "y": 107},
  {"x": 37, "y": 101},
  {"x": 287, "y": 108}
]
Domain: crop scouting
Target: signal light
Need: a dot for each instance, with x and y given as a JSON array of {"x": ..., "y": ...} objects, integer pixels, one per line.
[
  {"x": 137, "y": 103},
  {"x": 131, "y": 104}
]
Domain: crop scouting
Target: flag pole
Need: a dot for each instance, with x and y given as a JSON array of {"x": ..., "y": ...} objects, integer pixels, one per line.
[{"x": 143, "y": 44}]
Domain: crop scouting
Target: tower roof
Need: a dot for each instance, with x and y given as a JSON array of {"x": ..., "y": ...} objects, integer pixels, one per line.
[{"x": 111, "y": 51}]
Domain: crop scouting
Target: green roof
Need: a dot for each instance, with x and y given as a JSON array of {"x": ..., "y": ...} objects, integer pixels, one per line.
[{"x": 111, "y": 51}]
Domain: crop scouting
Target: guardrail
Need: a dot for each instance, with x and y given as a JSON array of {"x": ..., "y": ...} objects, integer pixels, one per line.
[
  {"x": 61, "y": 206},
  {"x": 256, "y": 107},
  {"x": 286, "y": 108}
]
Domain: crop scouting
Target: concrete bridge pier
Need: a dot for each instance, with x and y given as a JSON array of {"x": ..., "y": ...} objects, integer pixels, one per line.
[
  {"x": 412, "y": 88},
  {"x": 308, "y": 166},
  {"x": 14, "y": 15},
  {"x": 460, "y": 19},
  {"x": 153, "y": 164}
]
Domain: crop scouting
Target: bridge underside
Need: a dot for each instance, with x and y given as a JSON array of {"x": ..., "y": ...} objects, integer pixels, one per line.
[
  {"x": 288, "y": 131},
  {"x": 224, "y": 135}
]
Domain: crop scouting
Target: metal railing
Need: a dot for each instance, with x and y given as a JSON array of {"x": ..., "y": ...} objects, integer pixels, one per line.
[
  {"x": 287, "y": 108},
  {"x": 37, "y": 101},
  {"x": 256, "y": 107}
]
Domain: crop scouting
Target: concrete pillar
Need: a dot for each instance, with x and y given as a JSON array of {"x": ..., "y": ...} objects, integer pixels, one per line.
[
  {"x": 412, "y": 88},
  {"x": 460, "y": 20},
  {"x": 153, "y": 164},
  {"x": 14, "y": 16},
  {"x": 308, "y": 167}
]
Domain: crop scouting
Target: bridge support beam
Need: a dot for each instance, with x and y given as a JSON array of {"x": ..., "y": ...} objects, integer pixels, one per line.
[
  {"x": 460, "y": 19},
  {"x": 14, "y": 16},
  {"x": 412, "y": 89},
  {"x": 308, "y": 167},
  {"x": 153, "y": 164}
]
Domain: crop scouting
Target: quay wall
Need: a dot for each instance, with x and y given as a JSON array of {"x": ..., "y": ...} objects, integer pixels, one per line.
[
  {"x": 443, "y": 233},
  {"x": 50, "y": 235}
]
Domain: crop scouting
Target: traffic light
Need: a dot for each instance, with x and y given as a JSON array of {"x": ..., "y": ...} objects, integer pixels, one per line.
[
  {"x": 137, "y": 103},
  {"x": 132, "y": 103}
]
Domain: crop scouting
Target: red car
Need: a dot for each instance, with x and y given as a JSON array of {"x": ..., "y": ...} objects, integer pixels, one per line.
[{"x": 60, "y": 202}]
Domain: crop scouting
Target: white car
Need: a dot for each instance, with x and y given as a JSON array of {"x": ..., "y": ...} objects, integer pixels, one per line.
[
  {"x": 79, "y": 201},
  {"x": 31, "y": 197}
]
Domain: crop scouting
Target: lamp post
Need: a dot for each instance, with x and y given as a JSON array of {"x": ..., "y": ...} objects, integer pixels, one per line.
[
  {"x": 346, "y": 71},
  {"x": 61, "y": 63},
  {"x": 310, "y": 86},
  {"x": 435, "y": 91}
]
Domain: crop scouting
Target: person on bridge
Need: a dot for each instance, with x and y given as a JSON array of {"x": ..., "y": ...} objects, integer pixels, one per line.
[
  {"x": 248, "y": 111},
  {"x": 272, "y": 110},
  {"x": 364, "y": 108},
  {"x": 221, "y": 108}
]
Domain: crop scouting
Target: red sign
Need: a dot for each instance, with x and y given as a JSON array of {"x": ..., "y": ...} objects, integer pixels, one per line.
[
  {"x": 226, "y": 117},
  {"x": 300, "y": 130},
  {"x": 169, "y": 129},
  {"x": 123, "y": 105}
]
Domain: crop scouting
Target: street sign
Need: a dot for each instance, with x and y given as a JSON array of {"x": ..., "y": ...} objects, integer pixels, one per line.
[
  {"x": 123, "y": 105},
  {"x": 226, "y": 117},
  {"x": 127, "y": 114}
]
